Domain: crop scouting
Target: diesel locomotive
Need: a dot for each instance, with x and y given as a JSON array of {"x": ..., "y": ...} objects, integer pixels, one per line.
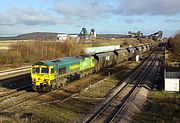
[{"x": 53, "y": 74}]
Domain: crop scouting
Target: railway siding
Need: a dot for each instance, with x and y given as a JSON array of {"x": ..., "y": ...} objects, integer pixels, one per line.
[
  {"x": 72, "y": 108},
  {"x": 6, "y": 74},
  {"x": 116, "y": 100},
  {"x": 82, "y": 99}
]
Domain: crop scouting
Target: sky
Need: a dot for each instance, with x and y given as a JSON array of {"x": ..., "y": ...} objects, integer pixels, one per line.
[{"x": 106, "y": 16}]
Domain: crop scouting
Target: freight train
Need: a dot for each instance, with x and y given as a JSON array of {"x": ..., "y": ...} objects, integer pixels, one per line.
[{"x": 53, "y": 74}]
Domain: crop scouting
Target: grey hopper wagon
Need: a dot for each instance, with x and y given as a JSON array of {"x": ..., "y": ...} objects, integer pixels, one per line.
[
  {"x": 122, "y": 55},
  {"x": 104, "y": 59}
]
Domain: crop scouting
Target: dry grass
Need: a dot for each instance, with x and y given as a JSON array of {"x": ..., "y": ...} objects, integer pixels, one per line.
[
  {"x": 124, "y": 42},
  {"x": 162, "y": 107},
  {"x": 29, "y": 52},
  {"x": 13, "y": 119},
  {"x": 61, "y": 113}
]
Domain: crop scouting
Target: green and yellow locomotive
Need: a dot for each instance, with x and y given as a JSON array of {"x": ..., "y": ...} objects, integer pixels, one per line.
[{"x": 52, "y": 74}]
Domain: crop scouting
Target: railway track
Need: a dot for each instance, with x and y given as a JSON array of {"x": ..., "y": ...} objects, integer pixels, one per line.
[
  {"x": 10, "y": 93},
  {"x": 5, "y": 74},
  {"x": 22, "y": 101},
  {"x": 13, "y": 98},
  {"x": 15, "y": 69},
  {"x": 72, "y": 95},
  {"x": 115, "y": 104},
  {"x": 120, "y": 107}
]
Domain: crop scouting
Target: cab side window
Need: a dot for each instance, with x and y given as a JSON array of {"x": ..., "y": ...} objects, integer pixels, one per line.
[
  {"x": 52, "y": 70},
  {"x": 62, "y": 70}
]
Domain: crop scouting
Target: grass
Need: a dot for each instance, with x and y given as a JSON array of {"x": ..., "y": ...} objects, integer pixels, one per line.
[
  {"x": 162, "y": 107},
  {"x": 60, "y": 113},
  {"x": 12, "y": 120},
  {"x": 30, "y": 52},
  {"x": 100, "y": 90}
]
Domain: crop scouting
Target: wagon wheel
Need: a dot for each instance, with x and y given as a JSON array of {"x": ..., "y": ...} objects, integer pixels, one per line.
[{"x": 63, "y": 84}]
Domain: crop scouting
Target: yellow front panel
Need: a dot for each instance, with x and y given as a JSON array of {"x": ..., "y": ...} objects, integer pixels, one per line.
[{"x": 41, "y": 79}]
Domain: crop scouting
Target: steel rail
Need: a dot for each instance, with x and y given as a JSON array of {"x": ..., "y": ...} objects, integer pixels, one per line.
[
  {"x": 128, "y": 81},
  {"x": 128, "y": 96}
]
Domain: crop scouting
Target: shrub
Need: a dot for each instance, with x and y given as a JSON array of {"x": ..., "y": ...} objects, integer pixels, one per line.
[{"x": 29, "y": 52}]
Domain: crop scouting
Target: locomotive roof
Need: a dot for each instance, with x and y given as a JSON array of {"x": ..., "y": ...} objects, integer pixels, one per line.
[
  {"x": 59, "y": 61},
  {"x": 47, "y": 63}
]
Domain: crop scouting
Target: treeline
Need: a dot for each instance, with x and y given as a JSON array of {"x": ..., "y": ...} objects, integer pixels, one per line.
[
  {"x": 174, "y": 45},
  {"x": 173, "y": 49},
  {"x": 30, "y": 52}
]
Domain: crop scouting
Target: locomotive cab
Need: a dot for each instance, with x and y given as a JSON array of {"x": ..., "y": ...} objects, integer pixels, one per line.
[{"x": 41, "y": 76}]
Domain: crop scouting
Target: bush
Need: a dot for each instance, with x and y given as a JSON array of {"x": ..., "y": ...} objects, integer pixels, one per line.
[
  {"x": 174, "y": 46},
  {"x": 30, "y": 52},
  {"x": 10, "y": 57}
]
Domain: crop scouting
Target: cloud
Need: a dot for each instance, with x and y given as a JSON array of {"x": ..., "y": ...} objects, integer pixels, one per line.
[
  {"x": 132, "y": 20},
  {"x": 30, "y": 17},
  {"x": 6, "y": 20},
  {"x": 172, "y": 21},
  {"x": 71, "y": 14},
  {"x": 17, "y": 21},
  {"x": 88, "y": 10},
  {"x": 149, "y": 7}
]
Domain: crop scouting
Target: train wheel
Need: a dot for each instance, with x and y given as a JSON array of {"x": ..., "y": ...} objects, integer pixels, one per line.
[
  {"x": 63, "y": 82},
  {"x": 45, "y": 88},
  {"x": 53, "y": 85},
  {"x": 34, "y": 88},
  {"x": 81, "y": 75},
  {"x": 39, "y": 90}
]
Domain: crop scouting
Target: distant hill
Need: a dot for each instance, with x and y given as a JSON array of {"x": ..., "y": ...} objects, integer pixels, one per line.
[
  {"x": 38, "y": 35},
  {"x": 35, "y": 35},
  {"x": 52, "y": 36}
]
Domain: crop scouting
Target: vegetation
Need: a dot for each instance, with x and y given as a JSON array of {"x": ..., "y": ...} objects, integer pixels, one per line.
[
  {"x": 173, "y": 53},
  {"x": 174, "y": 45},
  {"x": 162, "y": 107},
  {"x": 61, "y": 113},
  {"x": 29, "y": 52}
]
